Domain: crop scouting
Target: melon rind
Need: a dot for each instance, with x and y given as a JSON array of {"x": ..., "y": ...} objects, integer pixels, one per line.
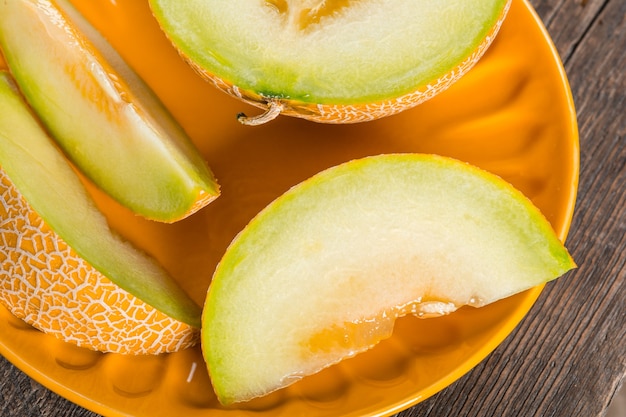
[
  {"x": 62, "y": 269},
  {"x": 378, "y": 237}
]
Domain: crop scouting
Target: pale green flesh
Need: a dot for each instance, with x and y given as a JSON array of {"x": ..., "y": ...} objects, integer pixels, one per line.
[
  {"x": 357, "y": 241},
  {"x": 123, "y": 140},
  {"x": 44, "y": 178},
  {"x": 366, "y": 52}
]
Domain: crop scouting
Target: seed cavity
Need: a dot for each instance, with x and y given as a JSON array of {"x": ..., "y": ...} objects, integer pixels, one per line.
[{"x": 303, "y": 14}]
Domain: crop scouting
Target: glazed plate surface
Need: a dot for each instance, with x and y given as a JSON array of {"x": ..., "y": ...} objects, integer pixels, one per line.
[{"x": 512, "y": 115}]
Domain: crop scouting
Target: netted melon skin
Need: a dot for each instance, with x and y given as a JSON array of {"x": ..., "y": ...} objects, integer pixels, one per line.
[{"x": 45, "y": 283}]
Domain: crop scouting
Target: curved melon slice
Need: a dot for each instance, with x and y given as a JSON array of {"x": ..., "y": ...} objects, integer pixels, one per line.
[
  {"x": 108, "y": 122},
  {"x": 62, "y": 269},
  {"x": 333, "y": 61},
  {"x": 323, "y": 272}
]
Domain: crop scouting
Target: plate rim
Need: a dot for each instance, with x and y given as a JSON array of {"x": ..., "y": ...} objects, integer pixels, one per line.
[{"x": 529, "y": 298}]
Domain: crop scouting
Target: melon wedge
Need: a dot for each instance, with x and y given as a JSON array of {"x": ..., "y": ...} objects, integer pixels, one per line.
[
  {"x": 322, "y": 273},
  {"x": 62, "y": 269},
  {"x": 106, "y": 119},
  {"x": 332, "y": 61}
]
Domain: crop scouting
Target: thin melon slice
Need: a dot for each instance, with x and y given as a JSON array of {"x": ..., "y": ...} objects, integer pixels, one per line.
[
  {"x": 322, "y": 273},
  {"x": 331, "y": 61},
  {"x": 62, "y": 269},
  {"x": 106, "y": 119}
]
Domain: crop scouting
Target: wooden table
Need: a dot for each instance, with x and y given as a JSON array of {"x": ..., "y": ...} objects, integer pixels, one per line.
[{"x": 568, "y": 356}]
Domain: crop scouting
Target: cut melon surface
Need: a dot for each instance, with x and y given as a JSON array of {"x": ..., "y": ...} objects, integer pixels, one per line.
[
  {"x": 332, "y": 61},
  {"x": 322, "y": 273},
  {"x": 63, "y": 270},
  {"x": 104, "y": 117}
]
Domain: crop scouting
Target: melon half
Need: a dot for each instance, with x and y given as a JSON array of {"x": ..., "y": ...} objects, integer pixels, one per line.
[
  {"x": 333, "y": 61},
  {"x": 322, "y": 273}
]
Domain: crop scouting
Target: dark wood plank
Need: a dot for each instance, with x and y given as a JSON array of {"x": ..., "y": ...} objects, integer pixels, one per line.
[
  {"x": 568, "y": 21},
  {"x": 21, "y": 396}
]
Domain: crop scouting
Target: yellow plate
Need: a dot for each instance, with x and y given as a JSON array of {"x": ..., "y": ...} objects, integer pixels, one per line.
[{"x": 513, "y": 115}]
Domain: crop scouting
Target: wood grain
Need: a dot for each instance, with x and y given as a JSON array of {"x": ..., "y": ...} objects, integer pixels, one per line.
[{"x": 568, "y": 356}]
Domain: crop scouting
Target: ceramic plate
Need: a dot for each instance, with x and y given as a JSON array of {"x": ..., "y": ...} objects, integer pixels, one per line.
[{"x": 512, "y": 115}]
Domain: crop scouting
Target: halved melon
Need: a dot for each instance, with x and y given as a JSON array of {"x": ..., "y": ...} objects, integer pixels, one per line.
[
  {"x": 106, "y": 119},
  {"x": 333, "y": 61},
  {"x": 62, "y": 269},
  {"x": 322, "y": 273}
]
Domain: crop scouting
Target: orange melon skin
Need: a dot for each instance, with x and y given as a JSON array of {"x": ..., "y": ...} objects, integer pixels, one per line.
[
  {"x": 347, "y": 113},
  {"x": 46, "y": 284}
]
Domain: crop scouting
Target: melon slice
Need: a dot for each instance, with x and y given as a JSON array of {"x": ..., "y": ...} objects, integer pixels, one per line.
[
  {"x": 62, "y": 269},
  {"x": 322, "y": 273},
  {"x": 106, "y": 119},
  {"x": 334, "y": 61}
]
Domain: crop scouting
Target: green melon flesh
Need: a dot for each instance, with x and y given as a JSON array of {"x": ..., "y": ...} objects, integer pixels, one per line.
[
  {"x": 108, "y": 122},
  {"x": 328, "y": 52},
  {"x": 42, "y": 175},
  {"x": 323, "y": 271}
]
